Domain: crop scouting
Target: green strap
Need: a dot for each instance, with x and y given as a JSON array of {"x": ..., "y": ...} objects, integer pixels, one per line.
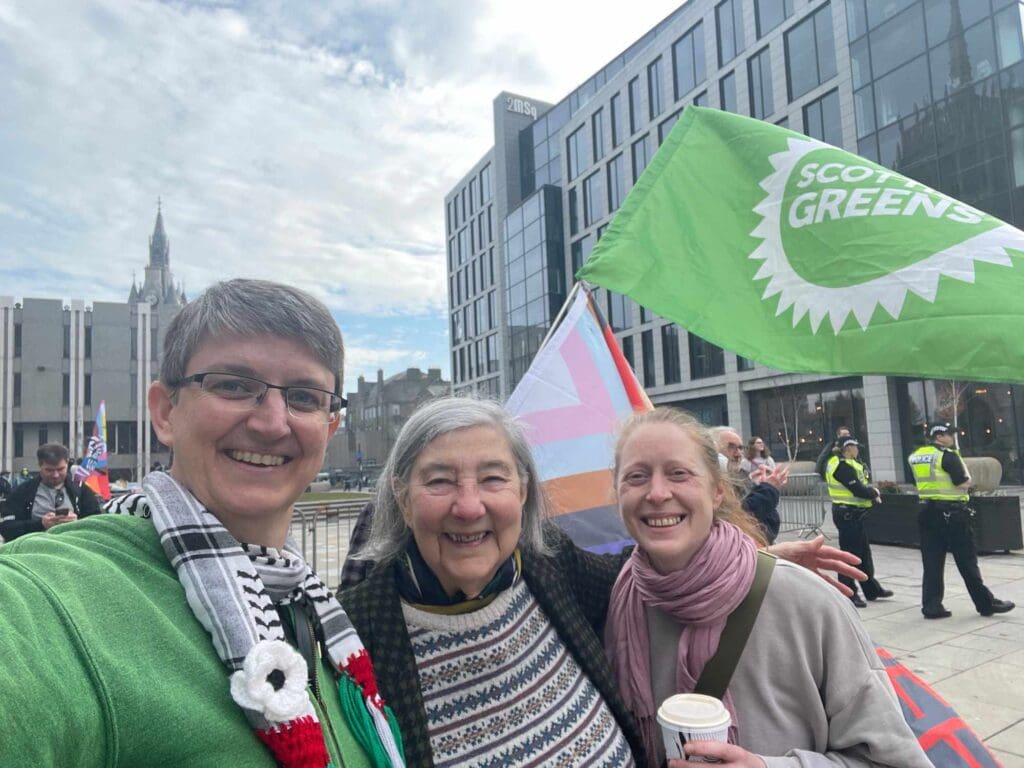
[{"x": 714, "y": 679}]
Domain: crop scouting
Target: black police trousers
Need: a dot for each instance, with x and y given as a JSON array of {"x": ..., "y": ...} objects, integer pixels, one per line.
[
  {"x": 945, "y": 526},
  {"x": 849, "y": 521}
]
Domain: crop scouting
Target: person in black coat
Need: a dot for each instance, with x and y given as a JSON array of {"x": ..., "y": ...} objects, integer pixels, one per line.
[
  {"x": 831, "y": 449},
  {"x": 48, "y": 500}
]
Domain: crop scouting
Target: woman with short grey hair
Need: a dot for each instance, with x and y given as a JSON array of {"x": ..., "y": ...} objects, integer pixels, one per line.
[
  {"x": 389, "y": 534},
  {"x": 481, "y": 619}
]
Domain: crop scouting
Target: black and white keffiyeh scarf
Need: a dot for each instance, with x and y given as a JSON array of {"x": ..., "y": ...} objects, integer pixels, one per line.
[{"x": 234, "y": 590}]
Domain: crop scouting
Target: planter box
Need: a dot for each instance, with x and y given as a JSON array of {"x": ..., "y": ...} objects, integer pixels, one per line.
[{"x": 997, "y": 526}]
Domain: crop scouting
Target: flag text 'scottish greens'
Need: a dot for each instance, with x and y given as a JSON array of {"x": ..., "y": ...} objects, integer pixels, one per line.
[{"x": 805, "y": 257}]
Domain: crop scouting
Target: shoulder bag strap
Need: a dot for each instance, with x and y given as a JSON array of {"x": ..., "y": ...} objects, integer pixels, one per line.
[{"x": 714, "y": 679}]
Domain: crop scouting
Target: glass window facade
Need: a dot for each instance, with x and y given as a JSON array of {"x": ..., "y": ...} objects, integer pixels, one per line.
[
  {"x": 688, "y": 62},
  {"x": 627, "y": 351},
  {"x": 727, "y": 92},
  {"x": 620, "y": 312},
  {"x": 768, "y": 14},
  {"x": 593, "y": 199},
  {"x": 810, "y": 53},
  {"x": 535, "y": 276},
  {"x": 938, "y": 95},
  {"x": 796, "y": 421},
  {"x": 618, "y": 118},
  {"x": 729, "y": 23},
  {"x": 616, "y": 182},
  {"x": 597, "y": 134},
  {"x": 647, "y": 348},
  {"x": 822, "y": 120},
  {"x": 641, "y": 156},
  {"x": 935, "y": 90},
  {"x": 580, "y": 252},
  {"x": 654, "y": 100},
  {"x": 985, "y": 415},
  {"x": 665, "y": 126},
  {"x": 576, "y": 152},
  {"x": 634, "y": 105},
  {"x": 670, "y": 354},
  {"x": 706, "y": 359},
  {"x": 759, "y": 77}
]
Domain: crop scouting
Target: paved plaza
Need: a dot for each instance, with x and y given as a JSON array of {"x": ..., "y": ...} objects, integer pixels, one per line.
[{"x": 975, "y": 663}]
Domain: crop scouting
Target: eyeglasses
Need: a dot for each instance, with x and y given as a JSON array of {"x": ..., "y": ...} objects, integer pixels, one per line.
[
  {"x": 58, "y": 500},
  {"x": 245, "y": 392}
]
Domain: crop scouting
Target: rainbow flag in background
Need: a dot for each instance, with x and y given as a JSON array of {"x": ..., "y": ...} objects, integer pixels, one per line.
[
  {"x": 577, "y": 389},
  {"x": 92, "y": 469}
]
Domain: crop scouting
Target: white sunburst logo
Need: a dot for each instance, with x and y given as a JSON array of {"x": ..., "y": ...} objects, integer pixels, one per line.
[{"x": 889, "y": 290}]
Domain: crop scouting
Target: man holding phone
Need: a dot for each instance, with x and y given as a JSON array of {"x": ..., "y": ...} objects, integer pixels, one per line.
[{"x": 47, "y": 500}]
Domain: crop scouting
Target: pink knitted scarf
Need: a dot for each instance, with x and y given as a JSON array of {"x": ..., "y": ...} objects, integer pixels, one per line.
[{"x": 700, "y": 597}]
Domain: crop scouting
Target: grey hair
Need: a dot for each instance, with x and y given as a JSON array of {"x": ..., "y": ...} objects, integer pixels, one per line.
[
  {"x": 389, "y": 534},
  {"x": 717, "y": 432},
  {"x": 251, "y": 308}
]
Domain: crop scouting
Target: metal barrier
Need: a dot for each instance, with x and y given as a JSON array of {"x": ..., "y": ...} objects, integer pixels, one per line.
[
  {"x": 322, "y": 530},
  {"x": 803, "y": 504}
]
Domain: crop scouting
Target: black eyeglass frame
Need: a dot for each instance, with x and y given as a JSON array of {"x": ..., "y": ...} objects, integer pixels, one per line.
[
  {"x": 58, "y": 499},
  {"x": 337, "y": 401}
]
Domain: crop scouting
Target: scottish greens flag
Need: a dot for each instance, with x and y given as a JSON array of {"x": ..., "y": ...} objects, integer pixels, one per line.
[{"x": 805, "y": 257}]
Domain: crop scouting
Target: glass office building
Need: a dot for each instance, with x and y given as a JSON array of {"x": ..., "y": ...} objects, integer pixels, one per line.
[{"x": 932, "y": 88}]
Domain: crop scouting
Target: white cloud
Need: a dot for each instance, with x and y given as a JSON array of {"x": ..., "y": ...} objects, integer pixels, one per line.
[{"x": 307, "y": 142}]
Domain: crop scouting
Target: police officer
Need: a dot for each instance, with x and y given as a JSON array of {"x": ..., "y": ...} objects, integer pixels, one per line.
[
  {"x": 852, "y": 498},
  {"x": 944, "y": 522}
]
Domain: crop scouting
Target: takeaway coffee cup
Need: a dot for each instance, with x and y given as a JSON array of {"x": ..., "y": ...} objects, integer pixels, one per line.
[{"x": 692, "y": 717}]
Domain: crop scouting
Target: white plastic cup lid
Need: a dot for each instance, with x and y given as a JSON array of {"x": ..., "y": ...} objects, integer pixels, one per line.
[{"x": 693, "y": 711}]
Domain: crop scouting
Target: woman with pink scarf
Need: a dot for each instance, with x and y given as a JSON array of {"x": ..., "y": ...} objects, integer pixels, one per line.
[{"x": 809, "y": 689}]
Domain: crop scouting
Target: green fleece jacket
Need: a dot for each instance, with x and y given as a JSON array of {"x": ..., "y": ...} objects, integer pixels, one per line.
[{"x": 104, "y": 663}]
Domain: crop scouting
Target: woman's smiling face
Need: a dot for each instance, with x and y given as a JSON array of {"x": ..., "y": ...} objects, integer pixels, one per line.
[
  {"x": 667, "y": 496},
  {"x": 464, "y": 505}
]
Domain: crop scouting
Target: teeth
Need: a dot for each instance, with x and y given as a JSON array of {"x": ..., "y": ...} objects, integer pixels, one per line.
[
  {"x": 262, "y": 459},
  {"x": 466, "y": 538},
  {"x": 663, "y": 522}
]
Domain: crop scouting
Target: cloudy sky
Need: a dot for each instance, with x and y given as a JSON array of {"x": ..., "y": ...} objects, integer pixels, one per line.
[{"x": 308, "y": 142}]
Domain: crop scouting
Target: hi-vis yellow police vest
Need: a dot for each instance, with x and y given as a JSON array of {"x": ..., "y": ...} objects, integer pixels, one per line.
[
  {"x": 838, "y": 492},
  {"x": 933, "y": 482}
]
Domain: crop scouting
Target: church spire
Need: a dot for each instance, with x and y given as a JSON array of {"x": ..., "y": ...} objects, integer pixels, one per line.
[
  {"x": 158, "y": 285},
  {"x": 959, "y": 60},
  {"x": 159, "y": 245}
]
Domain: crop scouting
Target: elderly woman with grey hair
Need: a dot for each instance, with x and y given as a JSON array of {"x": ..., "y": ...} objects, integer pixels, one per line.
[{"x": 481, "y": 619}]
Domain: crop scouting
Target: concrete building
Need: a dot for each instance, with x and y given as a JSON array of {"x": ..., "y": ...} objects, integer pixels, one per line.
[
  {"x": 933, "y": 88},
  {"x": 376, "y": 412},
  {"x": 60, "y": 359}
]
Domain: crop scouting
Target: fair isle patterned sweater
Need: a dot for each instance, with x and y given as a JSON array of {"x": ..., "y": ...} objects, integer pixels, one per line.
[{"x": 500, "y": 688}]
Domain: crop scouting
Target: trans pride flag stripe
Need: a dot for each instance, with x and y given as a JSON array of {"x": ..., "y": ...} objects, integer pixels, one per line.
[{"x": 576, "y": 391}]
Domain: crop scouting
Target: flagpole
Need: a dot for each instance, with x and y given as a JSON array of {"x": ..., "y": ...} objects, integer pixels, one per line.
[{"x": 559, "y": 316}]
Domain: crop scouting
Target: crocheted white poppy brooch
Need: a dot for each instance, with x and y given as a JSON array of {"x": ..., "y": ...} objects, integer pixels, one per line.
[{"x": 272, "y": 681}]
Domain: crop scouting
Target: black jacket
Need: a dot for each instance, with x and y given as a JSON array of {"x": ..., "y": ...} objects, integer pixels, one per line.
[
  {"x": 16, "y": 512},
  {"x": 572, "y": 586},
  {"x": 826, "y": 453},
  {"x": 763, "y": 503}
]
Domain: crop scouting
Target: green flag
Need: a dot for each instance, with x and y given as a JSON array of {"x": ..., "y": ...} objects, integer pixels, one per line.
[{"x": 805, "y": 257}]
